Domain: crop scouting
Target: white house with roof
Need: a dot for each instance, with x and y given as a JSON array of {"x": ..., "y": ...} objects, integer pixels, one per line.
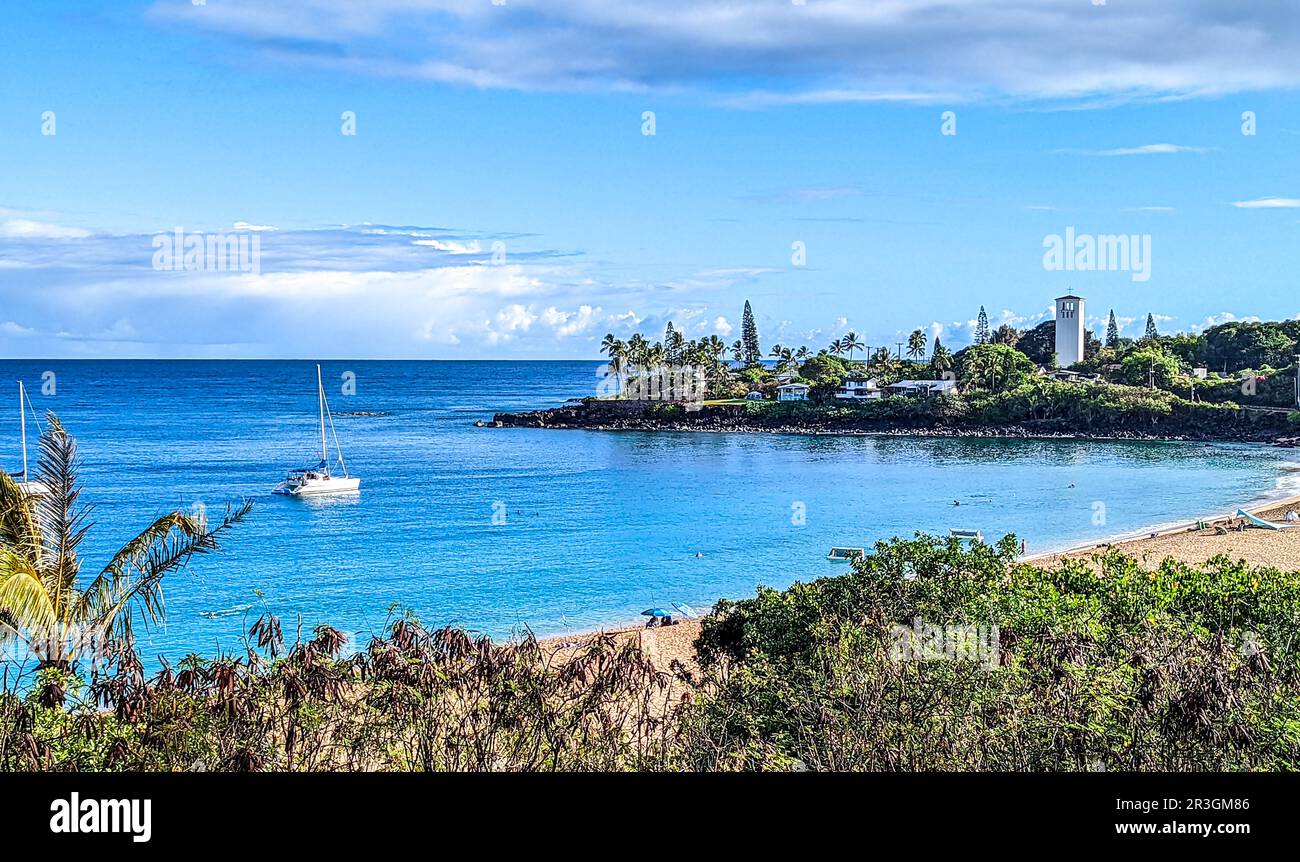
[
  {"x": 923, "y": 388},
  {"x": 792, "y": 392},
  {"x": 859, "y": 390}
]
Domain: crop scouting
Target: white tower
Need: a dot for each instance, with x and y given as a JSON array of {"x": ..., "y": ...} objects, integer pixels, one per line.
[{"x": 1069, "y": 330}]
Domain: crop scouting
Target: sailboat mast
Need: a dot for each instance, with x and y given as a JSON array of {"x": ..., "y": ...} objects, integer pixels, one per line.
[
  {"x": 320, "y": 391},
  {"x": 22, "y": 420}
]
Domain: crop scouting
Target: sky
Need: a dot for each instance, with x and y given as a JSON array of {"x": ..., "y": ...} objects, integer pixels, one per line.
[{"x": 470, "y": 179}]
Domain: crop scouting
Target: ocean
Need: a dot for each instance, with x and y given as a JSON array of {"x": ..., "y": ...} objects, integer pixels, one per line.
[{"x": 498, "y": 529}]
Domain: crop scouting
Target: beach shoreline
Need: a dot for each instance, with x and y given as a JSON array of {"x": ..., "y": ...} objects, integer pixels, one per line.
[{"x": 1185, "y": 541}]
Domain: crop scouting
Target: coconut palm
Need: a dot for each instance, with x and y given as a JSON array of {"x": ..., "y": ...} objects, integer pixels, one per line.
[
  {"x": 940, "y": 360},
  {"x": 851, "y": 343},
  {"x": 738, "y": 350},
  {"x": 837, "y": 347},
  {"x": 637, "y": 348},
  {"x": 916, "y": 344},
  {"x": 41, "y": 602},
  {"x": 615, "y": 349}
]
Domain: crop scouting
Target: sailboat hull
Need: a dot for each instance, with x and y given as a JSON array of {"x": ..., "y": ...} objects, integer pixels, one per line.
[{"x": 314, "y": 487}]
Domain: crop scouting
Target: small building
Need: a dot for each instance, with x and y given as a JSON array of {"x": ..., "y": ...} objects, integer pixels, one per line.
[
  {"x": 1200, "y": 373},
  {"x": 923, "y": 388},
  {"x": 792, "y": 392},
  {"x": 859, "y": 390},
  {"x": 1067, "y": 376},
  {"x": 1070, "y": 337}
]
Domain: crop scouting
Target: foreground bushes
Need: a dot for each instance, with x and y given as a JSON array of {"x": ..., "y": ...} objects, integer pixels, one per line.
[
  {"x": 1177, "y": 668},
  {"x": 1126, "y": 668}
]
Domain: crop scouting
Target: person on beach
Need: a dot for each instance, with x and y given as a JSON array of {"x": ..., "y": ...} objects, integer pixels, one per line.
[{"x": 1291, "y": 516}]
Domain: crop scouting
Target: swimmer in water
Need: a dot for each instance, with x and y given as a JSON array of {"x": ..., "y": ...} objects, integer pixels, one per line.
[{"x": 956, "y": 502}]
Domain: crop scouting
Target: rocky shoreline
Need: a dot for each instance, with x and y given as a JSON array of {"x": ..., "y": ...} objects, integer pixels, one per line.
[{"x": 593, "y": 415}]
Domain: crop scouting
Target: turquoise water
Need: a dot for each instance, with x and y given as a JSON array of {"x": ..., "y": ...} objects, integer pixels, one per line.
[{"x": 597, "y": 526}]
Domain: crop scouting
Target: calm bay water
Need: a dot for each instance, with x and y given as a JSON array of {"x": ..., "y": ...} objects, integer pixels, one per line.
[{"x": 598, "y": 526}]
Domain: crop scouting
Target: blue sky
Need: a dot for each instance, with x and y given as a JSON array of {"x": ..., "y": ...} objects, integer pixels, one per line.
[{"x": 522, "y": 124}]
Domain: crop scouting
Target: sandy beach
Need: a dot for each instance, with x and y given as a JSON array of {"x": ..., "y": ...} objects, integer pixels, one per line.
[{"x": 1187, "y": 543}]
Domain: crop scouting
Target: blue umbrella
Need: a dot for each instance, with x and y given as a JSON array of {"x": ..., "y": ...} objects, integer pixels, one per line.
[{"x": 655, "y": 612}]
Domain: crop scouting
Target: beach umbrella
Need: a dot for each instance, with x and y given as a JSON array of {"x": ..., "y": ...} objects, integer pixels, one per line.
[
  {"x": 687, "y": 610},
  {"x": 655, "y": 612}
]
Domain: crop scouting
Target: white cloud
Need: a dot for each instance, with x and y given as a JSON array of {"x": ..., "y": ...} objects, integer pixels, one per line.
[
  {"x": 1268, "y": 203},
  {"x": 1222, "y": 317},
  {"x": 243, "y": 225},
  {"x": 8, "y": 327},
  {"x": 815, "y": 53},
  {"x": 722, "y": 327},
  {"x": 1145, "y": 150},
  {"x": 21, "y": 228},
  {"x": 449, "y": 246}
]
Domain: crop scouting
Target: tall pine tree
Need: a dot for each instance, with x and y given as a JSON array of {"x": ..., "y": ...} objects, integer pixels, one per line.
[
  {"x": 1151, "y": 335},
  {"x": 749, "y": 334},
  {"x": 982, "y": 335},
  {"x": 1112, "y": 331}
]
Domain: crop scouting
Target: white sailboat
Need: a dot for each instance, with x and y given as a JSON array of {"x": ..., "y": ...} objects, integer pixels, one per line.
[
  {"x": 310, "y": 481},
  {"x": 26, "y": 485}
]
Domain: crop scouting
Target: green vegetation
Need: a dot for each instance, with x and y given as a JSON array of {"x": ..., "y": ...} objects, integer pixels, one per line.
[
  {"x": 1145, "y": 385},
  {"x": 1173, "y": 668},
  {"x": 44, "y": 605},
  {"x": 1017, "y": 667}
]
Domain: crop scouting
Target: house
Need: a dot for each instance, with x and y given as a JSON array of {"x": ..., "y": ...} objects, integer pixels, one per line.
[
  {"x": 792, "y": 392},
  {"x": 1066, "y": 376},
  {"x": 859, "y": 390},
  {"x": 923, "y": 388}
]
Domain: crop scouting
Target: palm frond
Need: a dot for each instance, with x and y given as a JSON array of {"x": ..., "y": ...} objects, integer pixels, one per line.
[
  {"x": 24, "y": 601},
  {"x": 20, "y": 526},
  {"x": 134, "y": 575},
  {"x": 64, "y": 524}
]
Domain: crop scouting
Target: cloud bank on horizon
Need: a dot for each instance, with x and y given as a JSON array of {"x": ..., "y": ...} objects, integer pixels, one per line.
[{"x": 323, "y": 292}]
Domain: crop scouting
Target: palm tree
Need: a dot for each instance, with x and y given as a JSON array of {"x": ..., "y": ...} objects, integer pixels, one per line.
[
  {"x": 882, "y": 360},
  {"x": 738, "y": 350},
  {"x": 616, "y": 351},
  {"x": 837, "y": 347},
  {"x": 851, "y": 343},
  {"x": 802, "y": 353},
  {"x": 940, "y": 360},
  {"x": 916, "y": 344},
  {"x": 637, "y": 347},
  {"x": 41, "y": 602}
]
